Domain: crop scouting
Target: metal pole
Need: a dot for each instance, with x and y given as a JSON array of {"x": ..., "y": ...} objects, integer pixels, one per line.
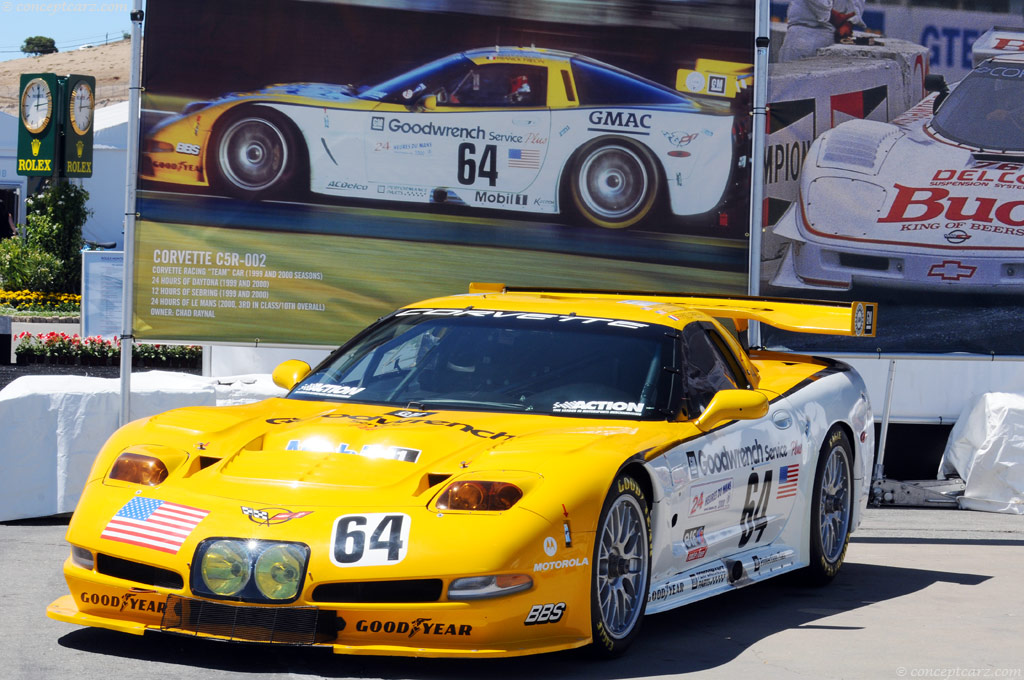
[
  {"x": 759, "y": 126},
  {"x": 886, "y": 408},
  {"x": 128, "y": 289}
]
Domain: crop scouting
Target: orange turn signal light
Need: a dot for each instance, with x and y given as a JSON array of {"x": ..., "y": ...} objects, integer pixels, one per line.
[
  {"x": 474, "y": 495},
  {"x": 139, "y": 469}
]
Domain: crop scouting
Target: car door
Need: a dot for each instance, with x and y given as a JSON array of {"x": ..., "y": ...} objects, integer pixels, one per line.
[
  {"x": 741, "y": 475},
  {"x": 485, "y": 129}
]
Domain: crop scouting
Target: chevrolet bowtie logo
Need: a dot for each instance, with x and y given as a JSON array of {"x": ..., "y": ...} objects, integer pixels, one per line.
[{"x": 952, "y": 270}]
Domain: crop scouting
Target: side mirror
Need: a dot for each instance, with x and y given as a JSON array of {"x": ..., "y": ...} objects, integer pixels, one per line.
[
  {"x": 934, "y": 82},
  {"x": 732, "y": 405},
  {"x": 289, "y": 373}
]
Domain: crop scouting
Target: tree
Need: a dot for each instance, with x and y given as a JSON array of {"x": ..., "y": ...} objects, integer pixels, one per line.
[{"x": 39, "y": 45}]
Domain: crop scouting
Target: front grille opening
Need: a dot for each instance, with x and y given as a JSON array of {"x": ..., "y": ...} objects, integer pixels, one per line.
[
  {"x": 137, "y": 572},
  {"x": 380, "y": 592},
  {"x": 240, "y": 623},
  {"x": 878, "y": 264}
]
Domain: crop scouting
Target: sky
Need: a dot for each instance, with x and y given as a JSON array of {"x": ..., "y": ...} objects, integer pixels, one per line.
[{"x": 70, "y": 23}]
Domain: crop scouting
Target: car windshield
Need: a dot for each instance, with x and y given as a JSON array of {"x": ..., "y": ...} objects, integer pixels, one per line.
[
  {"x": 411, "y": 85},
  {"x": 502, "y": 361},
  {"x": 986, "y": 110}
]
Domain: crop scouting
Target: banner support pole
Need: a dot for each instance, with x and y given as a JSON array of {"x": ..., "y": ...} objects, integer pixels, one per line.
[
  {"x": 128, "y": 287},
  {"x": 759, "y": 126}
]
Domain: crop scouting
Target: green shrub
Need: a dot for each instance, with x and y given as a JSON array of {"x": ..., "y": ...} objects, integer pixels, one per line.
[
  {"x": 54, "y": 225},
  {"x": 29, "y": 267}
]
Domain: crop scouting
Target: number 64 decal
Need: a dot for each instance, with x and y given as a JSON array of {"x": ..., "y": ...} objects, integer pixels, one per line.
[{"x": 369, "y": 540}]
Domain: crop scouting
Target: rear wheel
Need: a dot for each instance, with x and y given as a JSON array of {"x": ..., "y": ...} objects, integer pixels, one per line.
[
  {"x": 831, "y": 508},
  {"x": 621, "y": 567},
  {"x": 614, "y": 183},
  {"x": 254, "y": 154}
]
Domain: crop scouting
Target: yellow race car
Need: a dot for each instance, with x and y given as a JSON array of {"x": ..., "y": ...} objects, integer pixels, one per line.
[{"x": 499, "y": 473}]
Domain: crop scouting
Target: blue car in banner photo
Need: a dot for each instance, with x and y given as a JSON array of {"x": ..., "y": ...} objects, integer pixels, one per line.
[{"x": 529, "y": 130}]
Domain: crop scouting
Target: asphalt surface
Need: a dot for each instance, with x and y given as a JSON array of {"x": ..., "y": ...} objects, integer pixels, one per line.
[{"x": 923, "y": 593}]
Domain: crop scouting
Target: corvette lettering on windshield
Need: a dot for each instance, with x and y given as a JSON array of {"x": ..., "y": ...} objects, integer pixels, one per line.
[{"x": 522, "y": 316}]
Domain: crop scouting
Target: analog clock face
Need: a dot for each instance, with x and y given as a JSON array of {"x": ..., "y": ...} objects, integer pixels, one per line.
[
  {"x": 36, "y": 105},
  {"x": 81, "y": 107}
]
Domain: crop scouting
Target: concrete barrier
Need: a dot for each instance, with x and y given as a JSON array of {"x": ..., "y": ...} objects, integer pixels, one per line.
[{"x": 810, "y": 96}]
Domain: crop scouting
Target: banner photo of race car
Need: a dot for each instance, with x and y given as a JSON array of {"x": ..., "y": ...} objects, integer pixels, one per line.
[
  {"x": 617, "y": 158},
  {"x": 924, "y": 214}
]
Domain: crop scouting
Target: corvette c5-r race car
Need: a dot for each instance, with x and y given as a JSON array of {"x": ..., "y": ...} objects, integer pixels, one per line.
[
  {"x": 934, "y": 200},
  {"x": 529, "y": 130},
  {"x": 494, "y": 474}
]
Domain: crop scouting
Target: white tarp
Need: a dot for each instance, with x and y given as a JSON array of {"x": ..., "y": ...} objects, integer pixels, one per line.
[
  {"x": 53, "y": 427},
  {"x": 986, "y": 450}
]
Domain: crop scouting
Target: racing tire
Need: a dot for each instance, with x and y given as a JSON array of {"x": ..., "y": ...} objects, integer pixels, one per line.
[
  {"x": 614, "y": 183},
  {"x": 831, "y": 508},
  {"x": 254, "y": 154},
  {"x": 621, "y": 572}
]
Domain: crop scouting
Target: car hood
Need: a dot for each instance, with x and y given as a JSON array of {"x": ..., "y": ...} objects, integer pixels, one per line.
[
  {"x": 886, "y": 186},
  {"x": 338, "y": 455}
]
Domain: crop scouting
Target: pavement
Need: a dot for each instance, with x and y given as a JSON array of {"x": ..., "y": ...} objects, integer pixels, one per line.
[{"x": 923, "y": 593}]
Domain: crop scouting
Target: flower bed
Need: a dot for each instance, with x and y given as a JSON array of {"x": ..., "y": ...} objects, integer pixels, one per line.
[
  {"x": 23, "y": 301},
  {"x": 61, "y": 348}
]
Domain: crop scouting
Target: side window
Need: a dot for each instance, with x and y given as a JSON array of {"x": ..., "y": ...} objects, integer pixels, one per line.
[
  {"x": 707, "y": 369},
  {"x": 499, "y": 85}
]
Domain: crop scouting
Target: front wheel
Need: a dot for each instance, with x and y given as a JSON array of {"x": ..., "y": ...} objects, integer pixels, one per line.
[
  {"x": 621, "y": 573},
  {"x": 254, "y": 154},
  {"x": 831, "y": 508},
  {"x": 614, "y": 183}
]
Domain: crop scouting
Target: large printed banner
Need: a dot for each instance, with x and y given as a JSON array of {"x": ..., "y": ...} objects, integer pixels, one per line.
[{"x": 306, "y": 167}]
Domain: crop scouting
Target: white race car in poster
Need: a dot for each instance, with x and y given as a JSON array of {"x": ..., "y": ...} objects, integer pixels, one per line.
[
  {"x": 933, "y": 200},
  {"x": 511, "y": 128}
]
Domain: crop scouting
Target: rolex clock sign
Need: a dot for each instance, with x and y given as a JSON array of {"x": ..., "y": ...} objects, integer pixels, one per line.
[
  {"x": 39, "y": 129},
  {"x": 55, "y": 125},
  {"x": 79, "y": 100}
]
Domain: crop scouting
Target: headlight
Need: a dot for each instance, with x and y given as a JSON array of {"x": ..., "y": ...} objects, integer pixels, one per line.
[
  {"x": 225, "y": 567},
  {"x": 249, "y": 570},
  {"x": 82, "y": 557},
  {"x": 139, "y": 469},
  {"x": 473, "y": 495},
  {"x": 279, "y": 571},
  {"x": 480, "y": 587}
]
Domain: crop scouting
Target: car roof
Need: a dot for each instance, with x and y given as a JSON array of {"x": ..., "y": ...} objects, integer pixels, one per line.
[{"x": 508, "y": 52}]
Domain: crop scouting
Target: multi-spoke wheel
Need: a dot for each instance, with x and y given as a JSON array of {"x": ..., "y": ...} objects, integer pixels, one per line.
[
  {"x": 831, "y": 508},
  {"x": 614, "y": 183},
  {"x": 254, "y": 154},
  {"x": 621, "y": 567}
]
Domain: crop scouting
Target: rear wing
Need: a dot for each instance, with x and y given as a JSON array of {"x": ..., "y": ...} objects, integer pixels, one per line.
[
  {"x": 715, "y": 78},
  {"x": 855, "y": 319}
]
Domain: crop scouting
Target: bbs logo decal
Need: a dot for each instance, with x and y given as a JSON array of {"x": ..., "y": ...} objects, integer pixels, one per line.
[
  {"x": 545, "y": 613},
  {"x": 190, "y": 149}
]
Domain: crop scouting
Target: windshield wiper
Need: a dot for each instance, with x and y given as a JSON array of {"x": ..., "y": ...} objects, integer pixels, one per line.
[{"x": 426, "y": 403}]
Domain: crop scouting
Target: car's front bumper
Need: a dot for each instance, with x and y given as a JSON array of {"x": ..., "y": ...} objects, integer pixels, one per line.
[{"x": 491, "y": 627}]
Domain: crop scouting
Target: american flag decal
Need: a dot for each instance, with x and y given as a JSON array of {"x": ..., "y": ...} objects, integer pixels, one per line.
[
  {"x": 523, "y": 158},
  {"x": 788, "y": 478},
  {"x": 152, "y": 523}
]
